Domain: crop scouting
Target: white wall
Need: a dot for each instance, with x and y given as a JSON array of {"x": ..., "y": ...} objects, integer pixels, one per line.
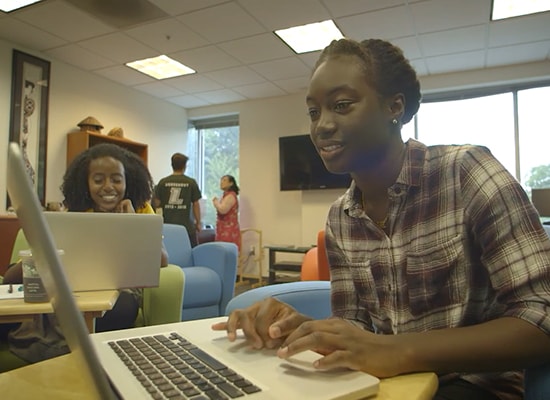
[{"x": 76, "y": 94}]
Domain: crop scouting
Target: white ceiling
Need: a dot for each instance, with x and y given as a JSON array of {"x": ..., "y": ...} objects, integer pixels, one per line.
[{"x": 237, "y": 57}]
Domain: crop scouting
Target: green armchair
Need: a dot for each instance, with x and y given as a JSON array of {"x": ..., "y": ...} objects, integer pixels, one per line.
[{"x": 161, "y": 305}]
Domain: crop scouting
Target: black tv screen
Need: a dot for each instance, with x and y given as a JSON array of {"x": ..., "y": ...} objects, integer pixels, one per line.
[{"x": 301, "y": 167}]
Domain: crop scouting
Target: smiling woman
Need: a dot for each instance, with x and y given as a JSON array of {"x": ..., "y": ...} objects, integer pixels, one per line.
[
  {"x": 108, "y": 178},
  {"x": 419, "y": 246},
  {"x": 107, "y": 184},
  {"x": 96, "y": 180}
]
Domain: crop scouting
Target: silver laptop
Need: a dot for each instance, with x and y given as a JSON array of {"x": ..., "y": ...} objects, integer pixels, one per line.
[
  {"x": 130, "y": 363},
  {"x": 108, "y": 250}
]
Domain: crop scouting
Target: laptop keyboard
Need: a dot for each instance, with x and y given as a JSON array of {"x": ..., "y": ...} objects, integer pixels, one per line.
[{"x": 170, "y": 367}]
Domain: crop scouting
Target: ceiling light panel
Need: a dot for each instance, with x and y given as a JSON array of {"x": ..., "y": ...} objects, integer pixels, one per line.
[
  {"x": 161, "y": 67},
  {"x": 514, "y": 8},
  {"x": 310, "y": 37},
  {"x": 10, "y": 5}
]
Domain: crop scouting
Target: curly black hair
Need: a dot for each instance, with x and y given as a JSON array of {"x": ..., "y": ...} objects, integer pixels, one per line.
[
  {"x": 386, "y": 69},
  {"x": 139, "y": 183}
]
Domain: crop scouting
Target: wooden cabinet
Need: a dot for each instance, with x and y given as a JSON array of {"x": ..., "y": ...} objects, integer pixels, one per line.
[{"x": 79, "y": 141}]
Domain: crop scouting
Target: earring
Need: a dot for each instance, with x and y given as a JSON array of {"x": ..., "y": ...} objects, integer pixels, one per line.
[{"x": 394, "y": 121}]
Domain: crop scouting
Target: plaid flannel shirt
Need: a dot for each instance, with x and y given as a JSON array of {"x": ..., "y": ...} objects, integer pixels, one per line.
[{"x": 464, "y": 246}]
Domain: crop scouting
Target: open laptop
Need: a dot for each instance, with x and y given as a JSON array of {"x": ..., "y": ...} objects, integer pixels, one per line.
[
  {"x": 259, "y": 373},
  {"x": 106, "y": 251}
]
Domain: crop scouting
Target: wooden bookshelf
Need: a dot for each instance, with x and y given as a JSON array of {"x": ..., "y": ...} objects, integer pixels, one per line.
[{"x": 79, "y": 141}]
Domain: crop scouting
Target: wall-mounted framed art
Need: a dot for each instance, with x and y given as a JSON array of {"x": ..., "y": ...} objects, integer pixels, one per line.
[{"x": 29, "y": 115}]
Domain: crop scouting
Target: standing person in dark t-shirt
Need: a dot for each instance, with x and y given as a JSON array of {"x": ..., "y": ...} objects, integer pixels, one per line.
[{"x": 177, "y": 194}]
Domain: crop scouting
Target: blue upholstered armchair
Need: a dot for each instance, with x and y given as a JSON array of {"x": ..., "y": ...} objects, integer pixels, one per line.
[
  {"x": 210, "y": 271},
  {"x": 311, "y": 298}
]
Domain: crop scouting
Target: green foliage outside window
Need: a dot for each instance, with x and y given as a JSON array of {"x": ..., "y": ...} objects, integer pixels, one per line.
[
  {"x": 539, "y": 177},
  {"x": 220, "y": 157}
]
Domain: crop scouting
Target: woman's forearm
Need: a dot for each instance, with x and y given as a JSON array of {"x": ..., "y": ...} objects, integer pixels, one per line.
[{"x": 502, "y": 344}]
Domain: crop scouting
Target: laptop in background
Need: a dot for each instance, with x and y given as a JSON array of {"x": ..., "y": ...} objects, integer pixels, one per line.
[
  {"x": 106, "y": 251},
  {"x": 261, "y": 372}
]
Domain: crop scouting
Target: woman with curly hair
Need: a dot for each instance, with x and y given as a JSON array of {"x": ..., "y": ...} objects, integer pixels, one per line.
[{"x": 109, "y": 178}]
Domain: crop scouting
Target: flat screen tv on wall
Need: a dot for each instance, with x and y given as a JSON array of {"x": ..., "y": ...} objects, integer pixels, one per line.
[{"x": 301, "y": 167}]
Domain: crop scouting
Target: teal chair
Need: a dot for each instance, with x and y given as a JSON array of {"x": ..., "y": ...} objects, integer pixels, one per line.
[
  {"x": 311, "y": 298},
  {"x": 161, "y": 305},
  {"x": 210, "y": 272}
]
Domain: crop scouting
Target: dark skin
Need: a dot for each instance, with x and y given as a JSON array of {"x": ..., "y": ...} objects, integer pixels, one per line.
[{"x": 353, "y": 130}]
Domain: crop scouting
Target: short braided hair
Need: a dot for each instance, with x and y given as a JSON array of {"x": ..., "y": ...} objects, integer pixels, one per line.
[{"x": 386, "y": 69}]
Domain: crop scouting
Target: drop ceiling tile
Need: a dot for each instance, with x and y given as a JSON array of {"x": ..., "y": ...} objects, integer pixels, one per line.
[
  {"x": 440, "y": 15},
  {"x": 410, "y": 47},
  {"x": 238, "y": 76},
  {"x": 259, "y": 90},
  {"x": 188, "y": 101},
  {"x": 194, "y": 84},
  {"x": 384, "y": 24},
  {"x": 27, "y": 35},
  {"x": 342, "y": 8},
  {"x": 285, "y": 13},
  {"x": 257, "y": 48},
  {"x": 119, "y": 47},
  {"x": 283, "y": 68},
  {"x": 159, "y": 89},
  {"x": 220, "y": 23},
  {"x": 419, "y": 65},
  {"x": 167, "y": 36},
  {"x": 180, "y": 7},
  {"x": 204, "y": 59},
  {"x": 456, "y": 62},
  {"x": 124, "y": 75},
  {"x": 121, "y": 14},
  {"x": 453, "y": 41},
  {"x": 310, "y": 59},
  {"x": 63, "y": 20},
  {"x": 294, "y": 85},
  {"x": 221, "y": 96},
  {"x": 80, "y": 57},
  {"x": 508, "y": 55}
]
